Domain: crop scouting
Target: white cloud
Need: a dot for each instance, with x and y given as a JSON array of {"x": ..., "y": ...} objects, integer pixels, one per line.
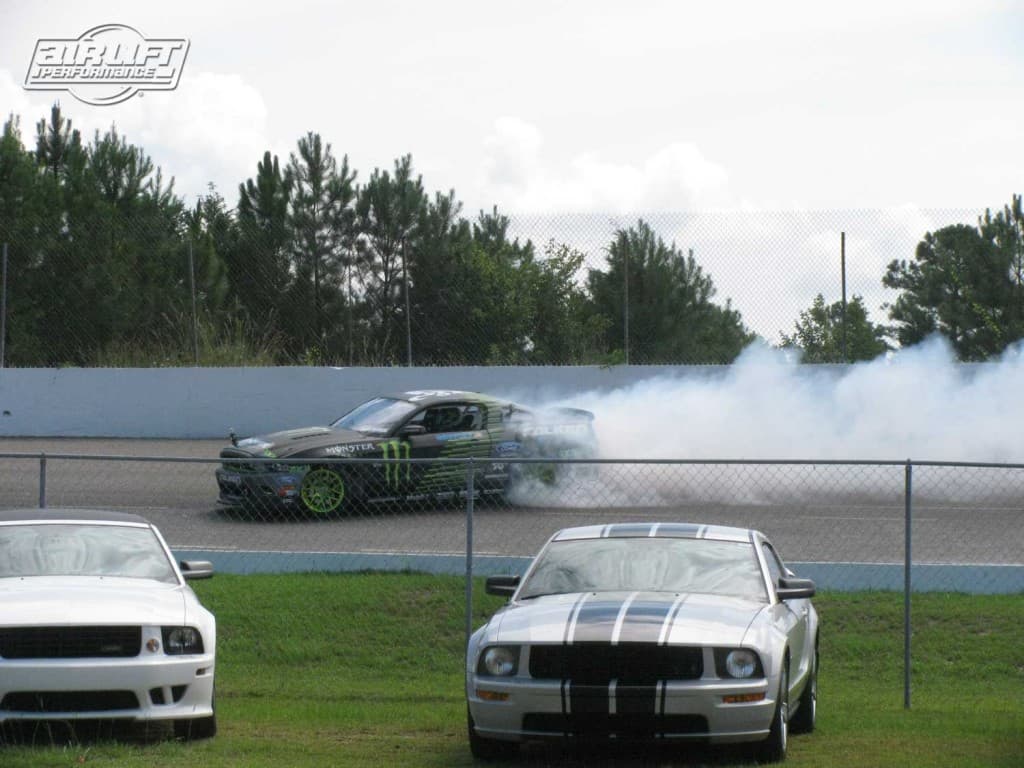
[
  {"x": 213, "y": 128},
  {"x": 676, "y": 177}
]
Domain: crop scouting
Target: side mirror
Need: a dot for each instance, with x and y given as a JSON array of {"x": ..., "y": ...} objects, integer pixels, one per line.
[
  {"x": 196, "y": 569},
  {"x": 791, "y": 588},
  {"x": 412, "y": 429},
  {"x": 502, "y": 585}
]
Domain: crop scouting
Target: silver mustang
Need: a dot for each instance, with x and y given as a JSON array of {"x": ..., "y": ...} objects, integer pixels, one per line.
[{"x": 647, "y": 631}]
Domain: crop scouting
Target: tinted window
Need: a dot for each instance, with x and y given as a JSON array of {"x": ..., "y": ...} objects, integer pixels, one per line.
[
  {"x": 378, "y": 416},
  {"x": 647, "y": 564}
]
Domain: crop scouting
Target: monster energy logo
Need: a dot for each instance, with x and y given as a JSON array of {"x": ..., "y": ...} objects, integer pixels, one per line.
[{"x": 397, "y": 447}]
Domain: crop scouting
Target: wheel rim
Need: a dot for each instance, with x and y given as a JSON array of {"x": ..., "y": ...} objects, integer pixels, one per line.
[{"x": 322, "y": 491}]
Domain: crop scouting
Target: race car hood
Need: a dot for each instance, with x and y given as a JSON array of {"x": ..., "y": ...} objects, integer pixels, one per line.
[
  {"x": 89, "y": 600},
  {"x": 642, "y": 617},
  {"x": 292, "y": 442}
]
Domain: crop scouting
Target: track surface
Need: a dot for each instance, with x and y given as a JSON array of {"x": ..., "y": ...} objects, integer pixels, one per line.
[{"x": 844, "y": 514}]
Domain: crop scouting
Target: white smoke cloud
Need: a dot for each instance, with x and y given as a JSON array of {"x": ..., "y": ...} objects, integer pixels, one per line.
[{"x": 917, "y": 404}]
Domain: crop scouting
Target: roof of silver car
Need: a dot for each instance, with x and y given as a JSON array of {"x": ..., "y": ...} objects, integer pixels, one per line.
[
  {"x": 30, "y": 515},
  {"x": 654, "y": 530}
]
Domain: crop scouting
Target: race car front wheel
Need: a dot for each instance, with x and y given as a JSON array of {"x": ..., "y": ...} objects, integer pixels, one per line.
[{"x": 323, "y": 490}]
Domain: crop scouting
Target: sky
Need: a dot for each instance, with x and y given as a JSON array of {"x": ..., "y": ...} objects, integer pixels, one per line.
[{"x": 769, "y": 112}]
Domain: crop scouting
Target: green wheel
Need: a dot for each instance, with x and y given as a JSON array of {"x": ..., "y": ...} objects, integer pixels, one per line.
[{"x": 322, "y": 490}]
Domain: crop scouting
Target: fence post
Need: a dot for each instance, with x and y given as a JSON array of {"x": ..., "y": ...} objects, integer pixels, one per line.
[
  {"x": 42, "y": 481},
  {"x": 907, "y": 563},
  {"x": 470, "y": 490}
]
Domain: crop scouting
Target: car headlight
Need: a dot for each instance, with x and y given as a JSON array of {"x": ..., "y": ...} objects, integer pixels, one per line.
[
  {"x": 499, "y": 661},
  {"x": 739, "y": 663},
  {"x": 180, "y": 640}
]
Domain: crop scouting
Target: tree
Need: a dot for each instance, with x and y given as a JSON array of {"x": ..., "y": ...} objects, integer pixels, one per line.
[
  {"x": 387, "y": 212},
  {"x": 818, "y": 333},
  {"x": 321, "y": 220},
  {"x": 259, "y": 266},
  {"x": 671, "y": 316},
  {"x": 963, "y": 282},
  {"x": 56, "y": 142}
]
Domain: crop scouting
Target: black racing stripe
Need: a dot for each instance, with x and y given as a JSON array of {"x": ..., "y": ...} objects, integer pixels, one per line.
[
  {"x": 572, "y": 614},
  {"x": 636, "y": 699},
  {"x": 595, "y": 621},
  {"x": 644, "y": 620},
  {"x": 672, "y": 619},
  {"x": 629, "y": 530},
  {"x": 680, "y": 530}
]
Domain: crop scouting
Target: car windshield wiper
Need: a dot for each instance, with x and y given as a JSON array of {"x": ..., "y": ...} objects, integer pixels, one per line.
[{"x": 540, "y": 594}]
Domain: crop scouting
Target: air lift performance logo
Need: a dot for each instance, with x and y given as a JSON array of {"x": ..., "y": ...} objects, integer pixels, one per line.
[{"x": 107, "y": 64}]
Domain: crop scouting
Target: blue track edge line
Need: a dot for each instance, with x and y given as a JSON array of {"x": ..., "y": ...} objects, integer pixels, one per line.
[{"x": 841, "y": 577}]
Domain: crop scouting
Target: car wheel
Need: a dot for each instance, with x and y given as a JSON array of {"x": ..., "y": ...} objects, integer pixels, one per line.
[
  {"x": 807, "y": 714},
  {"x": 322, "y": 491},
  {"x": 773, "y": 749},
  {"x": 483, "y": 748}
]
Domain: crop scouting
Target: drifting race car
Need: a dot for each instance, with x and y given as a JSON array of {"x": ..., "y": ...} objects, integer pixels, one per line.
[{"x": 269, "y": 471}]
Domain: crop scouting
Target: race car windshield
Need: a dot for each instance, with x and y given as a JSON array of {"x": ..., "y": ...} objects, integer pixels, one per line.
[
  {"x": 649, "y": 564},
  {"x": 75, "y": 549},
  {"x": 376, "y": 417}
]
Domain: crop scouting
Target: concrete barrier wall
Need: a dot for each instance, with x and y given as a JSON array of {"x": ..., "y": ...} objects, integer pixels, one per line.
[{"x": 187, "y": 403}]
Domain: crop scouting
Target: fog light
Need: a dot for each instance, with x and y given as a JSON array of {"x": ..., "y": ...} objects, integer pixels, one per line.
[
  {"x": 743, "y": 698},
  {"x": 152, "y": 645},
  {"x": 491, "y": 695}
]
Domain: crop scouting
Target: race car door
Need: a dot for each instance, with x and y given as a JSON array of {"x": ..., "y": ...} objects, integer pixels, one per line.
[{"x": 444, "y": 431}]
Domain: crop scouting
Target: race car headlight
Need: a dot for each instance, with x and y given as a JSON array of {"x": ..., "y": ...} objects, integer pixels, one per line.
[
  {"x": 499, "y": 661},
  {"x": 180, "y": 640},
  {"x": 739, "y": 663}
]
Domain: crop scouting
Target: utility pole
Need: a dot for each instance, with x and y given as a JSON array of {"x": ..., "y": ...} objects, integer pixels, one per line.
[
  {"x": 3, "y": 313},
  {"x": 842, "y": 263}
]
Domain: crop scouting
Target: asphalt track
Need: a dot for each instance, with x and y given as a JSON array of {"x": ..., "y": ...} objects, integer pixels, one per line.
[{"x": 844, "y": 514}]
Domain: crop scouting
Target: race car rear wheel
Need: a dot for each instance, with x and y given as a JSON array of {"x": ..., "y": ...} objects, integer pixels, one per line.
[{"x": 322, "y": 491}]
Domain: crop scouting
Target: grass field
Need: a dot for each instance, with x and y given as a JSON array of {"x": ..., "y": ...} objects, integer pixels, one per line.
[{"x": 366, "y": 670}]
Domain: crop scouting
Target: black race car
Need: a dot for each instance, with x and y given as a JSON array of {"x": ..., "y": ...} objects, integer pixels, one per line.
[{"x": 427, "y": 424}]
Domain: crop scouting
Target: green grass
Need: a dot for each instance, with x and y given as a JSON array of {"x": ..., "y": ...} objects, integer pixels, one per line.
[{"x": 366, "y": 670}]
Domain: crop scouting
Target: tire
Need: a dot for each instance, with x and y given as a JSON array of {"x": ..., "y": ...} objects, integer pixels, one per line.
[
  {"x": 197, "y": 727},
  {"x": 807, "y": 714},
  {"x": 773, "y": 749},
  {"x": 322, "y": 491},
  {"x": 483, "y": 748}
]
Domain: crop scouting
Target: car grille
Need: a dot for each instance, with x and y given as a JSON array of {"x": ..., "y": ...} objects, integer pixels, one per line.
[
  {"x": 598, "y": 724},
  {"x": 68, "y": 701},
  {"x": 240, "y": 466},
  {"x": 629, "y": 663},
  {"x": 70, "y": 642}
]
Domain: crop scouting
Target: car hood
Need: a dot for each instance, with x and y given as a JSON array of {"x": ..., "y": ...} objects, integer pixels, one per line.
[
  {"x": 292, "y": 442},
  {"x": 686, "y": 619},
  {"x": 67, "y": 601}
]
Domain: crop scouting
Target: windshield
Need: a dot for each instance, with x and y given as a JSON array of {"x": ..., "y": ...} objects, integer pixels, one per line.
[
  {"x": 75, "y": 549},
  {"x": 376, "y": 417},
  {"x": 649, "y": 565}
]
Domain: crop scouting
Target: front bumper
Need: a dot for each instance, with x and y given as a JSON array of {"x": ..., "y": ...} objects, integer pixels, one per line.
[
  {"x": 158, "y": 688},
  {"x": 543, "y": 709},
  {"x": 272, "y": 489}
]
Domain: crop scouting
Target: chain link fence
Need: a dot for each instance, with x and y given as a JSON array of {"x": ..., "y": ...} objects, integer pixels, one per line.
[
  {"x": 138, "y": 291},
  {"x": 850, "y": 526}
]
